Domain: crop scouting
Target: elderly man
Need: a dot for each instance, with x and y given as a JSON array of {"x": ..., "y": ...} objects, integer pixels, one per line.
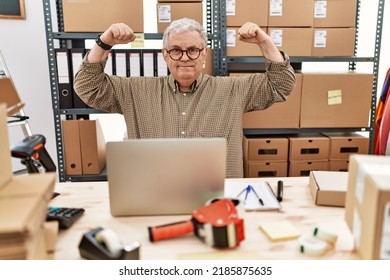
[{"x": 186, "y": 103}]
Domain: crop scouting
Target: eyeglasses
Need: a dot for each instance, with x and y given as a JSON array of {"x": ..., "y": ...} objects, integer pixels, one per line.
[{"x": 177, "y": 54}]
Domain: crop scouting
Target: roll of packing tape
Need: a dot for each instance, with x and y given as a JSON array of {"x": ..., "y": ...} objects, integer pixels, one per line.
[
  {"x": 326, "y": 236},
  {"x": 312, "y": 246},
  {"x": 110, "y": 240}
]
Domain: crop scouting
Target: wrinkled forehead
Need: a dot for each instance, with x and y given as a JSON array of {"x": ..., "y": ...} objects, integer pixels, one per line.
[{"x": 185, "y": 39}]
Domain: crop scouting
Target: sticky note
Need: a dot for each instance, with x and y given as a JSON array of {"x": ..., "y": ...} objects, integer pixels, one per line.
[
  {"x": 139, "y": 41},
  {"x": 281, "y": 230},
  {"x": 335, "y": 97}
]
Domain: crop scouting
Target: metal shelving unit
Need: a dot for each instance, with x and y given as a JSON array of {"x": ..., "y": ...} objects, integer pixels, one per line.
[{"x": 250, "y": 63}]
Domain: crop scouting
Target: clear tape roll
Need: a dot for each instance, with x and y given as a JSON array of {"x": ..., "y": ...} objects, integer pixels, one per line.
[
  {"x": 324, "y": 235},
  {"x": 309, "y": 245},
  {"x": 110, "y": 240}
]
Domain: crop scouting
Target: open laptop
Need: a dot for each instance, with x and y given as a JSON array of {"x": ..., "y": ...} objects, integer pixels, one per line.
[{"x": 164, "y": 176}]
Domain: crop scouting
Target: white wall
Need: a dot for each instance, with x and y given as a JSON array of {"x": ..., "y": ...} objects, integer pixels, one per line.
[{"x": 23, "y": 45}]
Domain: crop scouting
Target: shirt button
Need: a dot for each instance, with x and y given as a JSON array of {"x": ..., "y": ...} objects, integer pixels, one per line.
[
  {"x": 183, "y": 113},
  {"x": 184, "y": 94},
  {"x": 183, "y": 132}
]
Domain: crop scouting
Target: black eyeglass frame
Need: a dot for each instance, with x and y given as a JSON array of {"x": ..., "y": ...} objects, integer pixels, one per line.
[{"x": 186, "y": 52}]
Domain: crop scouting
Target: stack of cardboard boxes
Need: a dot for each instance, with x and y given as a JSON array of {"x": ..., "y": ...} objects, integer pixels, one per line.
[
  {"x": 298, "y": 27},
  {"x": 297, "y": 155},
  {"x": 23, "y": 207}
]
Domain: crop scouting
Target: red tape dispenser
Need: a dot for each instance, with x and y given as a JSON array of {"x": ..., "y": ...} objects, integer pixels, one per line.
[{"x": 216, "y": 224}]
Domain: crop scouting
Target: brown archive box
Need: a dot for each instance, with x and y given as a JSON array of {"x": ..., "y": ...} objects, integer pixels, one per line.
[
  {"x": 372, "y": 220},
  {"x": 308, "y": 147},
  {"x": 333, "y": 41},
  {"x": 10, "y": 96},
  {"x": 266, "y": 148},
  {"x": 343, "y": 144},
  {"x": 304, "y": 167},
  {"x": 84, "y": 147},
  {"x": 256, "y": 169},
  {"x": 93, "y": 146},
  {"x": 336, "y": 99},
  {"x": 278, "y": 115},
  {"x": 242, "y": 11},
  {"x": 335, "y": 13},
  {"x": 72, "y": 148},
  {"x": 98, "y": 15},
  {"x": 295, "y": 41},
  {"x": 168, "y": 12},
  {"x": 291, "y": 13}
]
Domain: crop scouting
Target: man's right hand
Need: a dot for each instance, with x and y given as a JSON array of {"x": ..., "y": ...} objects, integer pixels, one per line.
[{"x": 118, "y": 33}]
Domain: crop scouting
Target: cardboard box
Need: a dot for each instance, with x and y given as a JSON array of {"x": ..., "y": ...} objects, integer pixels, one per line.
[
  {"x": 98, "y": 15},
  {"x": 342, "y": 145},
  {"x": 338, "y": 165},
  {"x": 242, "y": 11},
  {"x": 291, "y": 13},
  {"x": 336, "y": 99},
  {"x": 10, "y": 96},
  {"x": 93, "y": 146},
  {"x": 266, "y": 169},
  {"x": 23, "y": 204},
  {"x": 268, "y": 148},
  {"x": 235, "y": 47},
  {"x": 359, "y": 167},
  {"x": 168, "y": 12},
  {"x": 371, "y": 229},
  {"x": 308, "y": 147},
  {"x": 303, "y": 168},
  {"x": 294, "y": 41},
  {"x": 335, "y": 13},
  {"x": 333, "y": 42},
  {"x": 328, "y": 188},
  {"x": 278, "y": 115}
]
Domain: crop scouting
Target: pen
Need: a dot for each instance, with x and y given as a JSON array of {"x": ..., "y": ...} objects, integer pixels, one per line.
[
  {"x": 260, "y": 200},
  {"x": 280, "y": 191}
]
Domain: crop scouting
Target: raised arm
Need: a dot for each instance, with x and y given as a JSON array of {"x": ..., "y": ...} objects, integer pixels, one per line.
[{"x": 117, "y": 33}]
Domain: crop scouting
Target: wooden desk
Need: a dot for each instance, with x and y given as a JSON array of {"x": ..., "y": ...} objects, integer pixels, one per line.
[{"x": 297, "y": 207}]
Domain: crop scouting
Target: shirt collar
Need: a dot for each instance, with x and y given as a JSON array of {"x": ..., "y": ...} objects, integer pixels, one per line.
[{"x": 174, "y": 85}]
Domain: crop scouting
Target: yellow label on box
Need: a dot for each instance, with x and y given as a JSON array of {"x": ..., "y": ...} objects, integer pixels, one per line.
[
  {"x": 139, "y": 41},
  {"x": 335, "y": 97}
]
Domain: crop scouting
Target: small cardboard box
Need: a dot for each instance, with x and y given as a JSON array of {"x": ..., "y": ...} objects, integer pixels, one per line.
[
  {"x": 98, "y": 15},
  {"x": 336, "y": 99},
  {"x": 254, "y": 169},
  {"x": 242, "y": 11},
  {"x": 328, "y": 188},
  {"x": 291, "y": 13},
  {"x": 295, "y": 41},
  {"x": 168, "y": 12},
  {"x": 265, "y": 148},
  {"x": 371, "y": 229},
  {"x": 308, "y": 147},
  {"x": 235, "y": 47},
  {"x": 359, "y": 167},
  {"x": 333, "y": 41},
  {"x": 278, "y": 115},
  {"x": 72, "y": 148},
  {"x": 342, "y": 145},
  {"x": 304, "y": 167},
  {"x": 335, "y": 13}
]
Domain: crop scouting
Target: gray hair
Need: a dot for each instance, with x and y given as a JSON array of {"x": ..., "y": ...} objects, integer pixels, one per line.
[{"x": 185, "y": 24}]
